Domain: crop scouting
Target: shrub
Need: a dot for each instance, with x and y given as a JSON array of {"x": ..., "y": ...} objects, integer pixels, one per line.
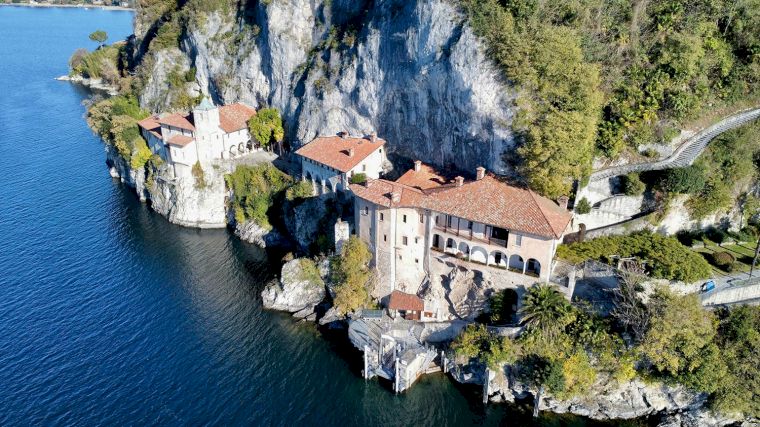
[
  {"x": 141, "y": 154},
  {"x": 716, "y": 235},
  {"x": 723, "y": 260},
  {"x": 583, "y": 206},
  {"x": 632, "y": 185},
  {"x": 309, "y": 272},
  {"x": 199, "y": 175},
  {"x": 358, "y": 178},
  {"x": 688, "y": 180},
  {"x": 300, "y": 190},
  {"x": 666, "y": 257}
]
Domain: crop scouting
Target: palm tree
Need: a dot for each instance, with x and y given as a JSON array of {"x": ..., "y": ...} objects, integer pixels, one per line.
[{"x": 545, "y": 308}]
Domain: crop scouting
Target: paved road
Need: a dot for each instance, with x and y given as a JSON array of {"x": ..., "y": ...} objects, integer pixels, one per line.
[{"x": 687, "y": 152}]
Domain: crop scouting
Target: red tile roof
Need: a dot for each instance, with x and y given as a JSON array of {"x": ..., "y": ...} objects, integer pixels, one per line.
[
  {"x": 177, "y": 120},
  {"x": 151, "y": 125},
  {"x": 489, "y": 200},
  {"x": 234, "y": 117},
  {"x": 403, "y": 301},
  {"x": 180, "y": 140},
  {"x": 424, "y": 179},
  {"x": 333, "y": 151}
]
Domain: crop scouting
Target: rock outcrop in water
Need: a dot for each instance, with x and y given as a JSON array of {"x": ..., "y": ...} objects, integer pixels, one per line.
[
  {"x": 412, "y": 71},
  {"x": 300, "y": 289},
  {"x": 608, "y": 400}
]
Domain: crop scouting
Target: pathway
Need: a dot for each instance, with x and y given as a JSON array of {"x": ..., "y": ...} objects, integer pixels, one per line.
[{"x": 687, "y": 152}]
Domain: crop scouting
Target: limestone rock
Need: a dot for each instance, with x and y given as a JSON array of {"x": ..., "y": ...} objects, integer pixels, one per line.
[
  {"x": 295, "y": 292},
  {"x": 252, "y": 232},
  {"x": 414, "y": 72}
]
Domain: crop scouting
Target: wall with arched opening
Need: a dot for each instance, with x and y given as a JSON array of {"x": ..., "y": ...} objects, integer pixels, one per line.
[
  {"x": 498, "y": 258},
  {"x": 516, "y": 262},
  {"x": 478, "y": 254}
]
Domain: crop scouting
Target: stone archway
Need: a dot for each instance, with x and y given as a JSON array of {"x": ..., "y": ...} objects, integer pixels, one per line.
[
  {"x": 464, "y": 248},
  {"x": 498, "y": 258},
  {"x": 451, "y": 246},
  {"x": 478, "y": 254},
  {"x": 533, "y": 268},
  {"x": 516, "y": 263}
]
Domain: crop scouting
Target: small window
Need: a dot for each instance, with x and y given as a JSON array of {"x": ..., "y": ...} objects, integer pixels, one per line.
[
  {"x": 365, "y": 211},
  {"x": 382, "y": 217},
  {"x": 364, "y": 168},
  {"x": 399, "y": 257},
  {"x": 449, "y": 221},
  {"x": 422, "y": 218},
  {"x": 469, "y": 225},
  {"x": 416, "y": 240},
  {"x": 405, "y": 240},
  {"x": 518, "y": 240},
  {"x": 416, "y": 260},
  {"x": 404, "y": 219},
  {"x": 385, "y": 237},
  {"x": 381, "y": 151}
]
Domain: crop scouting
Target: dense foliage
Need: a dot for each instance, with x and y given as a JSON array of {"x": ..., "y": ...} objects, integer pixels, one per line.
[
  {"x": 102, "y": 63},
  {"x": 614, "y": 74},
  {"x": 99, "y": 37},
  {"x": 266, "y": 127},
  {"x": 665, "y": 257},
  {"x": 351, "y": 275},
  {"x": 254, "y": 189},
  {"x": 115, "y": 120},
  {"x": 681, "y": 342}
]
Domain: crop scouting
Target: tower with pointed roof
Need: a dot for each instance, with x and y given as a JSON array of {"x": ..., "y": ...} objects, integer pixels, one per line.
[{"x": 206, "y": 116}]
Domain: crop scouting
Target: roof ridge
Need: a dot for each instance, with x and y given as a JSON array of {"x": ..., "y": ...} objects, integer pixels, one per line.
[{"x": 541, "y": 209}]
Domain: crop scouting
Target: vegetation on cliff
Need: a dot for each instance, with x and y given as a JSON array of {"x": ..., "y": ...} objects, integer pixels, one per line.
[
  {"x": 115, "y": 120},
  {"x": 665, "y": 257},
  {"x": 266, "y": 127},
  {"x": 614, "y": 75},
  {"x": 255, "y": 190},
  {"x": 567, "y": 349}
]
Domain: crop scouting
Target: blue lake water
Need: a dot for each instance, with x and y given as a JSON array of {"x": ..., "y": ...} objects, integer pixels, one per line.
[{"x": 109, "y": 315}]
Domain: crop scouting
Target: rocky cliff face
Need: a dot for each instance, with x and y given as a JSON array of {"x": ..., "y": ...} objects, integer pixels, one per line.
[
  {"x": 179, "y": 200},
  {"x": 410, "y": 70}
]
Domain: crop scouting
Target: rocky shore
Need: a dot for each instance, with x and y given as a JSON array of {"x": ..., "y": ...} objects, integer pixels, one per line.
[{"x": 95, "y": 84}]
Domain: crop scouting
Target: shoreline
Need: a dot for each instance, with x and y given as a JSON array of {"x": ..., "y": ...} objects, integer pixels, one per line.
[{"x": 78, "y": 6}]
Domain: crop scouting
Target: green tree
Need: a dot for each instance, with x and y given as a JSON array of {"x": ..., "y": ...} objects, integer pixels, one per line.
[
  {"x": 266, "y": 126},
  {"x": 583, "y": 206},
  {"x": 99, "y": 37},
  {"x": 546, "y": 309},
  {"x": 351, "y": 275},
  {"x": 678, "y": 342}
]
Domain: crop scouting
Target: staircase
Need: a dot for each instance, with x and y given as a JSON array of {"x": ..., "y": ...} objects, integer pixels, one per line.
[{"x": 687, "y": 152}]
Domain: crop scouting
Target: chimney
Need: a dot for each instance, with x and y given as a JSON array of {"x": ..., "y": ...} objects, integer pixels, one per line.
[
  {"x": 480, "y": 172},
  {"x": 373, "y": 137},
  {"x": 350, "y": 152},
  {"x": 417, "y": 165},
  {"x": 459, "y": 180},
  {"x": 562, "y": 201},
  {"x": 395, "y": 197}
]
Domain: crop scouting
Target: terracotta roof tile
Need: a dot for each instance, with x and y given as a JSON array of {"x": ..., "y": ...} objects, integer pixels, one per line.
[
  {"x": 489, "y": 200},
  {"x": 180, "y": 140},
  {"x": 403, "y": 301},
  {"x": 333, "y": 151},
  {"x": 424, "y": 179},
  {"x": 234, "y": 117},
  {"x": 151, "y": 125},
  {"x": 178, "y": 121}
]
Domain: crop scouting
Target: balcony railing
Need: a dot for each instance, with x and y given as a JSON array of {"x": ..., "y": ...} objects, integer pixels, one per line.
[{"x": 471, "y": 236}]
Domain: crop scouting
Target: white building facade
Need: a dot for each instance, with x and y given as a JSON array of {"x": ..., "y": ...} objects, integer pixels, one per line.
[
  {"x": 330, "y": 162},
  {"x": 208, "y": 133}
]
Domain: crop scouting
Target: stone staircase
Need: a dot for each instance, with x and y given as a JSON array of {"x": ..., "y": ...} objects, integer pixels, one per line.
[{"x": 687, "y": 152}]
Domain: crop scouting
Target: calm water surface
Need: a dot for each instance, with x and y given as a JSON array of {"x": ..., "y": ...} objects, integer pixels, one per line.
[{"x": 110, "y": 315}]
